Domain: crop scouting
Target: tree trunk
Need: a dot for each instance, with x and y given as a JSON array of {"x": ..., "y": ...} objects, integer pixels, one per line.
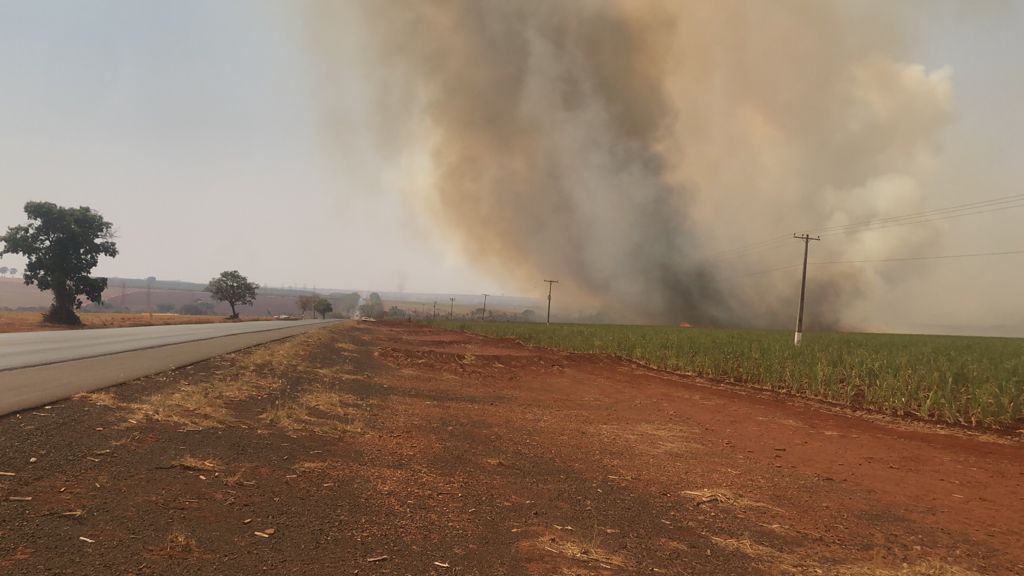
[
  {"x": 234, "y": 315},
  {"x": 62, "y": 311}
]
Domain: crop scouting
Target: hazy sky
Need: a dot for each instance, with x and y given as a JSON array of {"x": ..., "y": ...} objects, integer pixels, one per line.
[
  {"x": 191, "y": 126},
  {"x": 194, "y": 126}
]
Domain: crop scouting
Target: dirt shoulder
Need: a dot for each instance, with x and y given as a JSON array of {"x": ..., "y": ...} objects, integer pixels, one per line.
[
  {"x": 396, "y": 449},
  {"x": 32, "y": 321}
]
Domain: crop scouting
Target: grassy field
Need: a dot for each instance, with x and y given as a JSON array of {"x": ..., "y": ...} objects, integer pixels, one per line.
[
  {"x": 33, "y": 321},
  {"x": 964, "y": 380}
]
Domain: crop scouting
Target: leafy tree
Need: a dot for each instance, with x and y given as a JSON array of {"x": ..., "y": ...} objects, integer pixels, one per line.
[
  {"x": 374, "y": 308},
  {"x": 4, "y": 270},
  {"x": 62, "y": 245},
  {"x": 322, "y": 307},
  {"x": 233, "y": 288},
  {"x": 306, "y": 302},
  {"x": 345, "y": 303},
  {"x": 164, "y": 308}
]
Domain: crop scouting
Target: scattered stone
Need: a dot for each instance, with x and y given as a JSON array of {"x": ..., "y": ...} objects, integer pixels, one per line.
[
  {"x": 84, "y": 539},
  {"x": 377, "y": 559},
  {"x": 33, "y": 460}
]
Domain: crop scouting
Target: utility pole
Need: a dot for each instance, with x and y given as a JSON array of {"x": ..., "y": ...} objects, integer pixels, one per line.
[
  {"x": 551, "y": 284},
  {"x": 799, "y": 336},
  {"x": 451, "y": 311},
  {"x": 483, "y": 315},
  {"x": 435, "y": 310},
  {"x": 149, "y": 300}
]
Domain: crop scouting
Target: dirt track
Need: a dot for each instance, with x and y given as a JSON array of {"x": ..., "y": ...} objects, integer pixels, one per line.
[{"x": 448, "y": 453}]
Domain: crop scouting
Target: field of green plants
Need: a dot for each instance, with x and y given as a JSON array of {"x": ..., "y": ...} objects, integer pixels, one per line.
[{"x": 964, "y": 380}]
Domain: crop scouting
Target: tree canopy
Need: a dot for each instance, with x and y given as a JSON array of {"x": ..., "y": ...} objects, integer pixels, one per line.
[
  {"x": 323, "y": 307},
  {"x": 374, "y": 308},
  {"x": 233, "y": 288},
  {"x": 307, "y": 301},
  {"x": 62, "y": 246}
]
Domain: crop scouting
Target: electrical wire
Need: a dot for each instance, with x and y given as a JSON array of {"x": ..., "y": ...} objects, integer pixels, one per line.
[
  {"x": 884, "y": 260},
  {"x": 934, "y": 215}
]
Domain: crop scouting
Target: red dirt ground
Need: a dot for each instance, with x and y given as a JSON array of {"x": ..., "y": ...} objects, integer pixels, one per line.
[{"x": 397, "y": 449}]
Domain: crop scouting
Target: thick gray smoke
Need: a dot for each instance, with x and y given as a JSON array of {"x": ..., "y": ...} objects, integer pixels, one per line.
[{"x": 620, "y": 145}]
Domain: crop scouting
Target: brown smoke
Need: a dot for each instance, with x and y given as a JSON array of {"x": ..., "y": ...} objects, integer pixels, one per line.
[{"x": 617, "y": 145}]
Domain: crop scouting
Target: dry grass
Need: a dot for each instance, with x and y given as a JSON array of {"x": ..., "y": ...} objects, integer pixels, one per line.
[
  {"x": 33, "y": 321},
  {"x": 179, "y": 544},
  {"x": 122, "y": 320},
  {"x": 589, "y": 551},
  {"x": 719, "y": 496},
  {"x": 320, "y": 412},
  {"x": 194, "y": 464},
  {"x": 100, "y": 398},
  {"x": 651, "y": 438},
  {"x": 257, "y": 373},
  {"x": 316, "y": 466},
  {"x": 786, "y": 563}
]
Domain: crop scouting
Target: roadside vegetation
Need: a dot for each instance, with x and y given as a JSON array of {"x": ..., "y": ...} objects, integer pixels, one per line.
[
  {"x": 30, "y": 321},
  {"x": 62, "y": 246},
  {"x": 962, "y": 380}
]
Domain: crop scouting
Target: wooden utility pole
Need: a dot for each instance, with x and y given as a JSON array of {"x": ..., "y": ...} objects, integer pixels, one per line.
[
  {"x": 799, "y": 336},
  {"x": 551, "y": 284},
  {"x": 451, "y": 311},
  {"x": 435, "y": 310},
  {"x": 149, "y": 299},
  {"x": 483, "y": 315}
]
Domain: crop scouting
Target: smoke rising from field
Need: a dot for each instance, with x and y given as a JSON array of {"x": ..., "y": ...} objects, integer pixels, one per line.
[{"x": 619, "y": 146}]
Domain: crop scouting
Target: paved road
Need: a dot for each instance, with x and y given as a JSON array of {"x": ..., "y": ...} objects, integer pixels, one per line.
[
  {"x": 25, "y": 349},
  {"x": 43, "y": 367}
]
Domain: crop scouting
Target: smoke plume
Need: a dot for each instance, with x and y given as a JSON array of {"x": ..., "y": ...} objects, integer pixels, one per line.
[{"x": 621, "y": 146}]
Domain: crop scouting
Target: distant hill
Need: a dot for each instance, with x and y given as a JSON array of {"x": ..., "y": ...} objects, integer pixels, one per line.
[{"x": 129, "y": 294}]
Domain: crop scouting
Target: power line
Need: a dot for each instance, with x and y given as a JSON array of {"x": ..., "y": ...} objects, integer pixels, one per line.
[
  {"x": 762, "y": 272},
  {"x": 924, "y": 220},
  {"x": 915, "y": 258},
  {"x": 752, "y": 247},
  {"x": 967, "y": 209},
  {"x": 933, "y": 215},
  {"x": 884, "y": 260}
]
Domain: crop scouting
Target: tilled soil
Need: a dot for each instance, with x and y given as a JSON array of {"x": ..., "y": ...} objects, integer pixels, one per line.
[{"x": 398, "y": 449}]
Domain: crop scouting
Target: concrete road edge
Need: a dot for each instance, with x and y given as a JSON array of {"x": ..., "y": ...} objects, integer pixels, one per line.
[{"x": 25, "y": 388}]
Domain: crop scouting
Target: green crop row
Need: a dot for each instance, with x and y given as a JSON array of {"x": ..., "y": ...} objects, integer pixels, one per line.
[{"x": 965, "y": 380}]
